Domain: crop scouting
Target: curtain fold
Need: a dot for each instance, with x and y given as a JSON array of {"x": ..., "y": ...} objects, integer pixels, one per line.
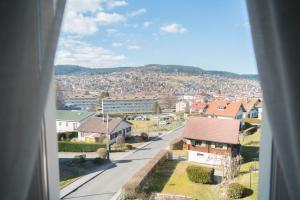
[
  {"x": 28, "y": 38},
  {"x": 275, "y": 29}
]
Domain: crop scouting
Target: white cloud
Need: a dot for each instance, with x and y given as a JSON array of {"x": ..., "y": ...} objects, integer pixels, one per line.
[
  {"x": 137, "y": 12},
  {"x": 111, "y": 31},
  {"x": 109, "y": 18},
  {"x": 111, "y": 4},
  {"x": 133, "y": 46},
  {"x": 81, "y": 53},
  {"x": 87, "y": 6},
  {"x": 146, "y": 24},
  {"x": 116, "y": 44},
  {"x": 173, "y": 28},
  {"x": 78, "y": 24},
  {"x": 86, "y": 18}
]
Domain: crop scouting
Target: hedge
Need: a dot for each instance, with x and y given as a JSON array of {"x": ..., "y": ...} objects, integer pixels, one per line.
[
  {"x": 134, "y": 186},
  {"x": 176, "y": 144},
  {"x": 79, "y": 146},
  {"x": 199, "y": 174},
  {"x": 235, "y": 191}
]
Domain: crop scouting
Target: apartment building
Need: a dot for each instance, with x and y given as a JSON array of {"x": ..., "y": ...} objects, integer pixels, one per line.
[
  {"x": 81, "y": 102},
  {"x": 129, "y": 105}
]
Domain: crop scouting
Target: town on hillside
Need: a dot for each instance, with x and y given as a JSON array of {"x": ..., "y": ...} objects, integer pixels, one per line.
[{"x": 208, "y": 123}]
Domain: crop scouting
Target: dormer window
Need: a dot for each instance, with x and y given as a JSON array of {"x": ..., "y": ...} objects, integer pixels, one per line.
[{"x": 221, "y": 107}]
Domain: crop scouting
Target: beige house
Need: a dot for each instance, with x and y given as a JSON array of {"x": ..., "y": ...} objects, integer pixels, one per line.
[{"x": 96, "y": 128}]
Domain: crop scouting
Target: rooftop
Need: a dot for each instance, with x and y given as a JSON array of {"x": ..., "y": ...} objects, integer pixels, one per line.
[
  {"x": 70, "y": 115},
  {"x": 229, "y": 109},
  {"x": 99, "y": 124},
  {"x": 212, "y": 129}
]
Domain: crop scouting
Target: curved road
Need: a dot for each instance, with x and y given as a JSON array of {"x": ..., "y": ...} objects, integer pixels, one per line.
[{"x": 104, "y": 186}]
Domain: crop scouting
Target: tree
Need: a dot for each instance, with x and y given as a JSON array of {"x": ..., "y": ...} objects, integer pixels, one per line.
[
  {"x": 102, "y": 96},
  {"x": 156, "y": 108},
  {"x": 120, "y": 142}
]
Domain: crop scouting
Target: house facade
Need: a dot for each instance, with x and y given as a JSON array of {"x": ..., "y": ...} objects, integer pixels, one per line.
[
  {"x": 81, "y": 102},
  {"x": 182, "y": 106},
  {"x": 211, "y": 140},
  {"x": 68, "y": 121},
  {"x": 128, "y": 105},
  {"x": 251, "y": 111},
  {"x": 97, "y": 128}
]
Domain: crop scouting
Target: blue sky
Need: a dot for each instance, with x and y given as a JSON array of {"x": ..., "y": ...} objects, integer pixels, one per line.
[{"x": 211, "y": 34}]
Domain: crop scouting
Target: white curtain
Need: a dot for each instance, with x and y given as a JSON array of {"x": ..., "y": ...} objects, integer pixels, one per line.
[
  {"x": 275, "y": 27},
  {"x": 28, "y": 37}
]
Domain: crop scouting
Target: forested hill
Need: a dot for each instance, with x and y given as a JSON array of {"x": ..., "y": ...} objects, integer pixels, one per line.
[{"x": 190, "y": 70}]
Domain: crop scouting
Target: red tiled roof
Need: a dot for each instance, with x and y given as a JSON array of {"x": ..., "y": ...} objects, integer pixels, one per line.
[
  {"x": 212, "y": 129},
  {"x": 198, "y": 106},
  {"x": 231, "y": 109}
]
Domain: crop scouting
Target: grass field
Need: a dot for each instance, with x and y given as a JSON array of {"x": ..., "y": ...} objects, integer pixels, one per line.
[
  {"x": 140, "y": 126},
  {"x": 245, "y": 181},
  {"x": 250, "y": 152},
  {"x": 171, "y": 178}
]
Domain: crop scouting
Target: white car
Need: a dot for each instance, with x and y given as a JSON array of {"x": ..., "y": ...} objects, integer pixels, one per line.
[{"x": 163, "y": 123}]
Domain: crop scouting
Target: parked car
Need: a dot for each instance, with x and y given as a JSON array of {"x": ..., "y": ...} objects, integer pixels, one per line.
[{"x": 163, "y": 122}]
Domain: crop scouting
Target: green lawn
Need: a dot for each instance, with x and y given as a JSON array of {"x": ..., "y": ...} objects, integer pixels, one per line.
[
  {"x": 171, "y": 178},
  {"x": 245, "y": 181},
  {"x": 250, "y": 153}
]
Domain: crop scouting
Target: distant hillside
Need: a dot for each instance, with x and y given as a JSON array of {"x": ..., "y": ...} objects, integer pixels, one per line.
[{"x": 191, "y": 70}]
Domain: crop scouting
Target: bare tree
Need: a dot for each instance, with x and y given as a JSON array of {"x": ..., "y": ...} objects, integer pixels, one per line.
[{"x": 120, "y": 142}]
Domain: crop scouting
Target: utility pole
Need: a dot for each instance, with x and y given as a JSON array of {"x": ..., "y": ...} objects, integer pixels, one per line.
[{"x": 107, "y": 137}]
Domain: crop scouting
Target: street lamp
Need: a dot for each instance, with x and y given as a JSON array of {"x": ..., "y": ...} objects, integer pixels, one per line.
[{"x": 107, "y": 137}]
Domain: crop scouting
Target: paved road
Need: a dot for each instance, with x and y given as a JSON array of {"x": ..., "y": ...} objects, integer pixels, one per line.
[{"x": 104, "y": 186}]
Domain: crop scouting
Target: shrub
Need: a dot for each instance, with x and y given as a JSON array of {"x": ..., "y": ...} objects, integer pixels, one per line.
[
  {"x": 176, "y": 144},
  {"x": 120, "y": 141},
  {"x": 199, "y": 174},
  {"x": 145, "y": 136},
  {"x": 235, "y": 191},
  {"x": 129, "y": 146},
  {"x": 78, "y": 146},
  {"x": 102, "y": 153}
]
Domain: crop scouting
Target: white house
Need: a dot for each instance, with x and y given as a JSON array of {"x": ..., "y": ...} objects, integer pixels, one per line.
[
  {"x": 250, "y": 107},
  {"x": 68, "y": 121},
  {"x": 182, "y": 106},
  {"x": 95, "y": 128}
]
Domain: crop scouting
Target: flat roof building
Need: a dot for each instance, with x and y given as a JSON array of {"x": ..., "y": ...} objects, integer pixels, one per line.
[{"x": 129, "y": 105}]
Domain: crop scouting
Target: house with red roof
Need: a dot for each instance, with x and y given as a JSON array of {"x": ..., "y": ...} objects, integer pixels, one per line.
[
  {"x": 225, "y": 110},
  {"x": 250, "y": 107},
  {"x": 198, "y": 107},
  {"x": 211, "y": 140}
]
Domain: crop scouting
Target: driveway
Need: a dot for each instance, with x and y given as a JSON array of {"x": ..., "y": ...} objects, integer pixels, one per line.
[{"x": 104, "y": 186}]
